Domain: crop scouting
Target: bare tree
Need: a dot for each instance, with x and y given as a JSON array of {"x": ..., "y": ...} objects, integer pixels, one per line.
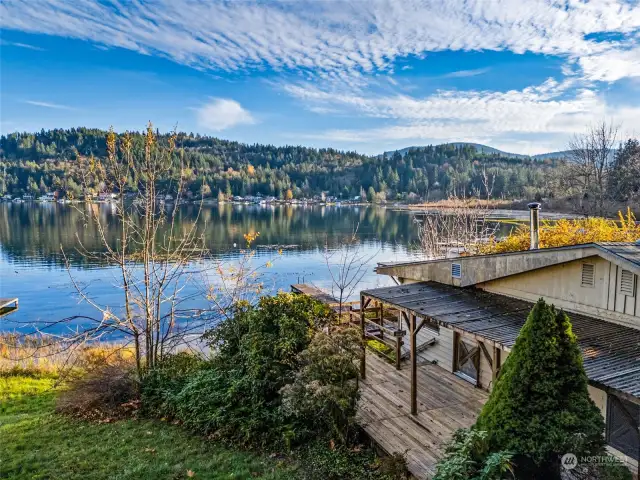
[
  {"x": 239, "y": 280},
  {"x": 591, "y": 158},
  {"x": 488, "y": 182},
  {"x": 157, "y": 256},
  {"x": 457, "y": 230},
  {"x": 347, "y": 265}
]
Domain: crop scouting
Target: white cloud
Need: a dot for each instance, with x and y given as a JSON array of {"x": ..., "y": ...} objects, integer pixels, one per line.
[
  {"x": 548, "y": 113},
  {"x": 615, "y": 65},
  {"x": 56, "y": 106},
  {"x": 347, "y": 45},
  {"x": 22, "y": 45},
  {"x": 466, "y": 73},
  {"x": 222, "y": 113},
  {"x": 341, "y": 37}
]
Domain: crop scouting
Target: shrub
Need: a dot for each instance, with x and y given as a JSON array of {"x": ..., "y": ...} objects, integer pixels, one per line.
[
  {"x": 467, "y": 457},
  {"x": 106, "y": 392},
  {"x": 161, "y": 385},
  {"x": 324, "y": 394},
  {"x": 540, "y": 407},
  {"x": 394, "y": 466},
  {"x": 236, "y": 397},
  {"x": 570, "y": 232},
  {"x": 322, "y": 460}
]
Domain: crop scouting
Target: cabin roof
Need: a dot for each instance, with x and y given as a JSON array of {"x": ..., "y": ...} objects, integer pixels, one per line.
[
  {"x": 611, "y": 351},
  {"x": 628, "y": 251},
  {"x": 483, "y": 268}
]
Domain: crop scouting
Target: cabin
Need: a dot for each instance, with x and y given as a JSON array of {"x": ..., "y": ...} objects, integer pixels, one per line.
[
  {"x": 48, "y": 197},
  {"x": 463, "y": 315}
]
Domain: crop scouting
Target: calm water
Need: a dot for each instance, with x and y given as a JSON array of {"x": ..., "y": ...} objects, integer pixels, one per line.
[{"x": 33, "y": 237}]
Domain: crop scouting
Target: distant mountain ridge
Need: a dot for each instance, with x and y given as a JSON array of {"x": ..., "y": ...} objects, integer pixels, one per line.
[{"x": 487, "y": 150}]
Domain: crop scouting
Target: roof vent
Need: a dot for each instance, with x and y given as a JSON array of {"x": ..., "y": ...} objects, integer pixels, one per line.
[
  {"x": 456, "y": 270},
  {"x": 534, "y": 225},
  {"x": 627, "y": 283},
  {"x": 588, "y": 275}
]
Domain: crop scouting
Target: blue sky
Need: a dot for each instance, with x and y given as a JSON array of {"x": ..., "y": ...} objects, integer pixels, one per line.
[{"x": 366, "y": 76}]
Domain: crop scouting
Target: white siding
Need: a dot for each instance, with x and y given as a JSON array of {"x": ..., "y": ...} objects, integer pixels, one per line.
[
  {"x": 442, "y": 351},
  {"x": 562, "y": 285}
]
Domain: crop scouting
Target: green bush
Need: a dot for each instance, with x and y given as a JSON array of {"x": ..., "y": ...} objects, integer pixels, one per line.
[
  {"x": 161, "y": 385},
  {"x": 237, "y": 396},
  {"x": 322, "y": 460},
  {"x": 467, "y": 457},
  {"x": 540, "y": 407},
  {"x": 324, "y": 394}
]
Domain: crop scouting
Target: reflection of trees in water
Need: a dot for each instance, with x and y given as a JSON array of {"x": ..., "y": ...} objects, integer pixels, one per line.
[{"x": 38, "y": 231}]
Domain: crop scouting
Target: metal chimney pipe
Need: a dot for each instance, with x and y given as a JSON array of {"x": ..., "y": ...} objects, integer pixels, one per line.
[{"x": 534, "y": 224}]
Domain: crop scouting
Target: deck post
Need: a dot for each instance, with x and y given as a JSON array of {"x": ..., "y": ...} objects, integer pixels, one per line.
[
  {"x": 363, "y": 362},
  {"x": 398, "y": 341},
  {"x": 495, "y": 366},
  {"x": 414, "y": 367}
]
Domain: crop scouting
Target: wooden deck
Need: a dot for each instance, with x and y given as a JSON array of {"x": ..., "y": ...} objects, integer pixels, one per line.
[
  {"x": 8, "y": 305},
  {"x": 323, "y": 297},
  {"x": 313, "y": 292},
  {"x": 445, "y": 403}
]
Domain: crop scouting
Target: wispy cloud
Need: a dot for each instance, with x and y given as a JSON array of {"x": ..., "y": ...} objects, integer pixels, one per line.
[
  {"x": 550, "y": 111},
  {"x": 348, "y": 45},
  {"x": 466, "y": 73},
  {"x": 22, "y": 45},
  {"x": 48, "y": 105},
  {"x": 222, "y": 113},
  {"x": 341, "y": 38}
]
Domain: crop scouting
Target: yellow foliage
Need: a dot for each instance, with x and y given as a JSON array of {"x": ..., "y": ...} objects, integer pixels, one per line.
[
  {"x": 570, "y": 232},
  {"x": 251, "y": 237},
  {"x": 251, "y": 169}
]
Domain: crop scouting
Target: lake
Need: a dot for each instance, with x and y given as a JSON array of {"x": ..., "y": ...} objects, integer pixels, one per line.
[{"x": 33, "y": 237}]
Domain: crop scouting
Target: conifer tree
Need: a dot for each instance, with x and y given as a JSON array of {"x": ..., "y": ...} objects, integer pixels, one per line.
[{"x": 540, "y": 408}]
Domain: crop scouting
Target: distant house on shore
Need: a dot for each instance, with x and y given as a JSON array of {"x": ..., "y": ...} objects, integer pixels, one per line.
[
  {"x": 47, "y": 197},
  {"x": 107, "y": 196},
  {"x": 465, "y": 314}
]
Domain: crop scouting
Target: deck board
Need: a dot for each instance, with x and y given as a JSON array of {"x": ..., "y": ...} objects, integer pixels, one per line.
[{"x": 445, "y": 403}]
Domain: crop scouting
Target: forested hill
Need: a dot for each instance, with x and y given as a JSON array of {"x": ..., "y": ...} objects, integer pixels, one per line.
[{"x": 48, "y": 160}]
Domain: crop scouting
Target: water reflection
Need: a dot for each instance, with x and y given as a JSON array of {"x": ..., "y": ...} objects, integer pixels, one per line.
[
  {"x": 33, "y": 237},
  {"x": 37, "y": 233}
]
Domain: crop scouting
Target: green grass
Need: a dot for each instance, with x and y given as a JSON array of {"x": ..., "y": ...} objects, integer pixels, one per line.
[{"x": 37, "y": 443}]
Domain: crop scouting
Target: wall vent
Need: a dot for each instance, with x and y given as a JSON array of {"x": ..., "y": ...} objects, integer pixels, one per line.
[
  {"x": 456, "y": 270},
  {"x": 588, "y": 275},
  {"x": 627, "y": 283}
]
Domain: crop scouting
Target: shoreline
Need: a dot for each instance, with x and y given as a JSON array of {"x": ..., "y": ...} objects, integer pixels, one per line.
[{"x": 551, "y": 208}]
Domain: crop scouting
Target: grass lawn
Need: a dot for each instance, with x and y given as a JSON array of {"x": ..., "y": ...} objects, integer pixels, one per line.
[{"x": 37, "y": 443}]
